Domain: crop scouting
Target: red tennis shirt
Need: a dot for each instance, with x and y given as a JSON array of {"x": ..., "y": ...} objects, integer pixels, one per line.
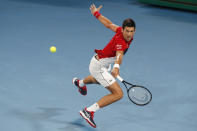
[{"x": 117, "y": 43}]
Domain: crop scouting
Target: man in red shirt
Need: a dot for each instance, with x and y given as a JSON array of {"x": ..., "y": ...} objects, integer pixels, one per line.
[{"x": 102, "y": 60}]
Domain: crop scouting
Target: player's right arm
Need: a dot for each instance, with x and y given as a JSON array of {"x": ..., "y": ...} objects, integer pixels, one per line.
[
  {"x": 118, "y": 62},
  {"x": 105, "y": 21}
]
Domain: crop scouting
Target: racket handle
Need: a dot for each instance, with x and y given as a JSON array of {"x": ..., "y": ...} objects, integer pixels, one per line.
[{"x": 120, "y": 78}]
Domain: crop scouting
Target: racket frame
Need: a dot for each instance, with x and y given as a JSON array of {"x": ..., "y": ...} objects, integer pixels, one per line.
[{"x": 132, "y": 86}]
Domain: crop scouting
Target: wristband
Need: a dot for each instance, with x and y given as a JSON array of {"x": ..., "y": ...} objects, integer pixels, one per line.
[
  {"x": 116, "y": 66},
  {"x": 97, "y": 14}
]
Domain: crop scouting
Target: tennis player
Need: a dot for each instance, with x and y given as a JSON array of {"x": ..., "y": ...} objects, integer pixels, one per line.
[{"x": 112, "y": 54}]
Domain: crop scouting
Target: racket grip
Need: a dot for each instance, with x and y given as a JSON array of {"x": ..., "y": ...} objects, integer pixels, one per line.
[{"x": 119, "y": 78}]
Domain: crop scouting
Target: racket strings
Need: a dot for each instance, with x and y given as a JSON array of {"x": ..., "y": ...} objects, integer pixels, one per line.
[{"x": 139, "y": 95}]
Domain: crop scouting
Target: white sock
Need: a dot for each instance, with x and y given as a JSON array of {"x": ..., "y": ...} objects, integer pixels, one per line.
[
  {"x": 81, "y": 84},
  {"x": 93, "y": 107}
]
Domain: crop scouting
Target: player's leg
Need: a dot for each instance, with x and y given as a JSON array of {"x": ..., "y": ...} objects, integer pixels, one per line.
[
  {"x": 81, "y": 84},
  {"x": 107, "y": 80},
  {"x": 115, "y": 95},
  {"x": 90, "y": 80}
]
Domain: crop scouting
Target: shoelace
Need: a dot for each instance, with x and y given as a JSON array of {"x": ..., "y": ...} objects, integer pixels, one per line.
[{"x": 90, "y": 112}]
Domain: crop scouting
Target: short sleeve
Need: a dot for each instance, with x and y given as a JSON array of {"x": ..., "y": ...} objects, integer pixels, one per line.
[{"x": 118, "y": 29}]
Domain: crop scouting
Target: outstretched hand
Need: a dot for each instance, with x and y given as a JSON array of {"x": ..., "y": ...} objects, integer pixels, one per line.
[{"x": 93, "y": 8}]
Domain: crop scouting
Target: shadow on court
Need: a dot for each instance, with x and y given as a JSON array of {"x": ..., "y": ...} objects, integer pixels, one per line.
[
  {"x": 77, "y": 124},
  {"x": 36, "y": 120}
]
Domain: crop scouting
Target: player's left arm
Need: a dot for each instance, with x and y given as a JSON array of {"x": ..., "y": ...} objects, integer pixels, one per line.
[
  {"x": 104, "y": 20},
  {"x": 118, "y": 62}
]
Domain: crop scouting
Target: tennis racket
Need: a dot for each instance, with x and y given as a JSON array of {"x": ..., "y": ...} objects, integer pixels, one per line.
[{"x": 139, "y": 95}]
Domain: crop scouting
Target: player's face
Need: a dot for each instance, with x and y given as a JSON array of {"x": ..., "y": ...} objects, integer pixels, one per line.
[{"x": 128, "y": 33}]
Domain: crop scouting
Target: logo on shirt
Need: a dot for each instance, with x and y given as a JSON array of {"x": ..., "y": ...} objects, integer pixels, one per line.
[{"x": 118, "y": 47}]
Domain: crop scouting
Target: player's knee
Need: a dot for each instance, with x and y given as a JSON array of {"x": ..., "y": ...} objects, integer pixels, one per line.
[
  {"x": 119, "y": 95},
  {"x": 116, "y": 90}
]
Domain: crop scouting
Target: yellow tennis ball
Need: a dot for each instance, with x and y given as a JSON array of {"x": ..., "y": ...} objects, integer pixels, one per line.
[{"x": 53, "y": 49}]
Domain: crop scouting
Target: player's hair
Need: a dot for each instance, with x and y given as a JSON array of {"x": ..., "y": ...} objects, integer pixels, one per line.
[{"x": 128, "y": 22}]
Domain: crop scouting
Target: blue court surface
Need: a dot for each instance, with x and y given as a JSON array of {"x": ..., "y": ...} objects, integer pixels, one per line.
[{"x": 36, "y": 91}]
